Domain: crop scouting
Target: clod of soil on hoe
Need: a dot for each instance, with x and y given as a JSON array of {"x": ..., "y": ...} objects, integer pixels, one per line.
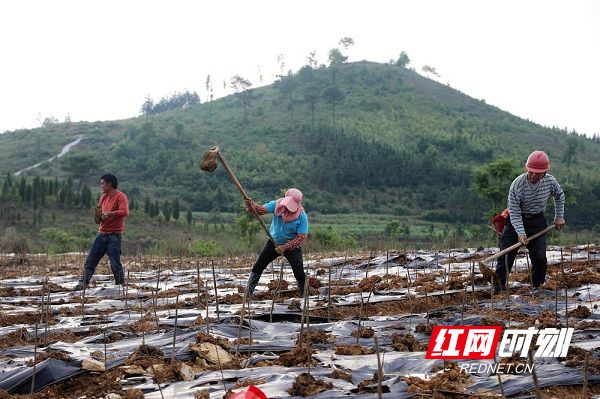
[{"x": 208, "y": 162}]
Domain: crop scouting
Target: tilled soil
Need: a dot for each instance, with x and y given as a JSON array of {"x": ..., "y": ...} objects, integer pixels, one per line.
[{"x": 446, "y": 383}]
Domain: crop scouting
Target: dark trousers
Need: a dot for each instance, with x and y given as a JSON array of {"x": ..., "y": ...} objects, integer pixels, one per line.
[
  {"x": 109, "y": 244},
  {"x": 537, "y": 249},
  {"x": 293, "y": 256}
]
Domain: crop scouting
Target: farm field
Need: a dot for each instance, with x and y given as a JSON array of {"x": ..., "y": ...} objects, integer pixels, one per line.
[{"x": 183, "y": 327}]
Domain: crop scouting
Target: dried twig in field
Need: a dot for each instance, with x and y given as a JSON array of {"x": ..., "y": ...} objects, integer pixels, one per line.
[{"x": 175, "y": 328}]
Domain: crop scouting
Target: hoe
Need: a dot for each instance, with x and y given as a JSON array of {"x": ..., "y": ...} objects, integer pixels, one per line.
[
  {"x": 209, "y": 164},
  {"x": 490, "y": 274}
]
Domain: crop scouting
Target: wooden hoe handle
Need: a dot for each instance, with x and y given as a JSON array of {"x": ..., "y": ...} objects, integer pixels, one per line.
[
  {"x": 517, "y": 245},
  {"x": 215, "y": 150}
]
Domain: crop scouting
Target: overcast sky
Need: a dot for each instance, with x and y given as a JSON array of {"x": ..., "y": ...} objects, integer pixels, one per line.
[{"x": 98, "y": 60}]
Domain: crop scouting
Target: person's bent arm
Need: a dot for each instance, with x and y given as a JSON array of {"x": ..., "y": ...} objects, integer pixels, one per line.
[{"x": 294, "y": 243}]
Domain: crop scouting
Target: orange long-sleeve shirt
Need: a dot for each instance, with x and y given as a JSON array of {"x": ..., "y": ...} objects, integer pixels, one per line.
[{"x": 117, "y": 204}]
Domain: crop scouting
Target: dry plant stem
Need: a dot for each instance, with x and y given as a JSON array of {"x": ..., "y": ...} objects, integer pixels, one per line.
[
  {"x": 387, "y": 265},
  {"x": 500, "y": 383},
  {"x": 538, "y": 391},
  {"x": 304, "y": 309},
  {"x": 475, "y": 303},
  {"x": 221, "y": 370},
  {"x": 379, "y": 368},
  {"x": 175, "y": 328},
  {"x": 239, "y": 337},
  {"x": 585, "y": 375},
  {"x": 462, "y": 308},
  {"x": 562, "y": 270},
  {"x": 212, "y": 264},
  {"x": 157, "y": 382},
  {"x": 249, "y": 323},
  {"x": 329, "y": 296},
  {"x": 306, "y": 301},
  {"x": 44, "y": 286},
  {"x": 443, "y": 295},
  {"x": 41, "y": 320},
  {"x": 155, "y": 301},
  {"x": 152, "y": 290},
  {"x": 359, "y": 318},
  {"x": 492, "y": 300},
  {"x": 104, "y": 332},
  {"x": 277, "y": 292},
  {"x": 427, "y": 306},
  {"x": 506, "y": 272},
  {"x": 449, "y": 270},
  {"x": 556, "y": 303},
  {"x": 48, "y": 304},
  {"x": 589, "y": 297},
  {"x": 83, "y": 298},
  {"x": 35, "y": 344},
  {"x": 141, "y": 318},
  {"x": 198, "y": 281},
  {"x": 409, "y": 297},
  {"x": 158, "y": 276},
  {"x": 207, "y": 300},
  {"x": 342, "y": 268},
  {"x": 126, "y": 293},
  {"x": 529, "y": 271}
]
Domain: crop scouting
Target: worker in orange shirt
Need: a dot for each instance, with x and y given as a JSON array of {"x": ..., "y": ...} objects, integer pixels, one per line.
[{"x": 111, "y": 213}]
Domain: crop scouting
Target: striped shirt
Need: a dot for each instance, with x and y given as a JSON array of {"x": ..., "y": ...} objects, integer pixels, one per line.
[{"x": 525, "y": 197}]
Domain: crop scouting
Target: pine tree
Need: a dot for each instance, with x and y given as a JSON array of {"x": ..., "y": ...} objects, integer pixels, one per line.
[
  {"x": 167, "y": 210},
  {"x": 147, "y": 206},
  {"x": 22, "y": 188},
  {"x": 189, "y": 217},
  {"x": 176, "y": 209}
]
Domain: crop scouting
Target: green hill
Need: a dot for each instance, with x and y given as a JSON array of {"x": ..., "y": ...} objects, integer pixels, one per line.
[{"x": 360, "y": 137}]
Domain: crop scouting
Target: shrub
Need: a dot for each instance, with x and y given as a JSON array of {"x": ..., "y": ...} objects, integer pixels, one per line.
[
  {"x": 330, "y": 239},
  {"x": 205, "y": 248},
  {"x": 11, "y": 242},
  {"x": 60, "y": 240}
]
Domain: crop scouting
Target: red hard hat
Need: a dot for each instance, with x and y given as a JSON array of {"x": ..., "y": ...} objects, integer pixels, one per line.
[{"x": 537, "y": 162}]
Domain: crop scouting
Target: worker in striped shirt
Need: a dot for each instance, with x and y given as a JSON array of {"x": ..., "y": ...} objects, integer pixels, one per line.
[
  {"x": 527, "y": 199},
  {"x": 289, "y": 229}
]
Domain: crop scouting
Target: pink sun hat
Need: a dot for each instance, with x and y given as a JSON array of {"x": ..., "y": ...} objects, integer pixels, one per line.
[{"x": 292, "y": 199}]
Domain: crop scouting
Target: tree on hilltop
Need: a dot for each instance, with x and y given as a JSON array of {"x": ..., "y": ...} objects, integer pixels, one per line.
[
  {"x": 241, "y": 87},
  {"x": 403, "y": 60}
]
